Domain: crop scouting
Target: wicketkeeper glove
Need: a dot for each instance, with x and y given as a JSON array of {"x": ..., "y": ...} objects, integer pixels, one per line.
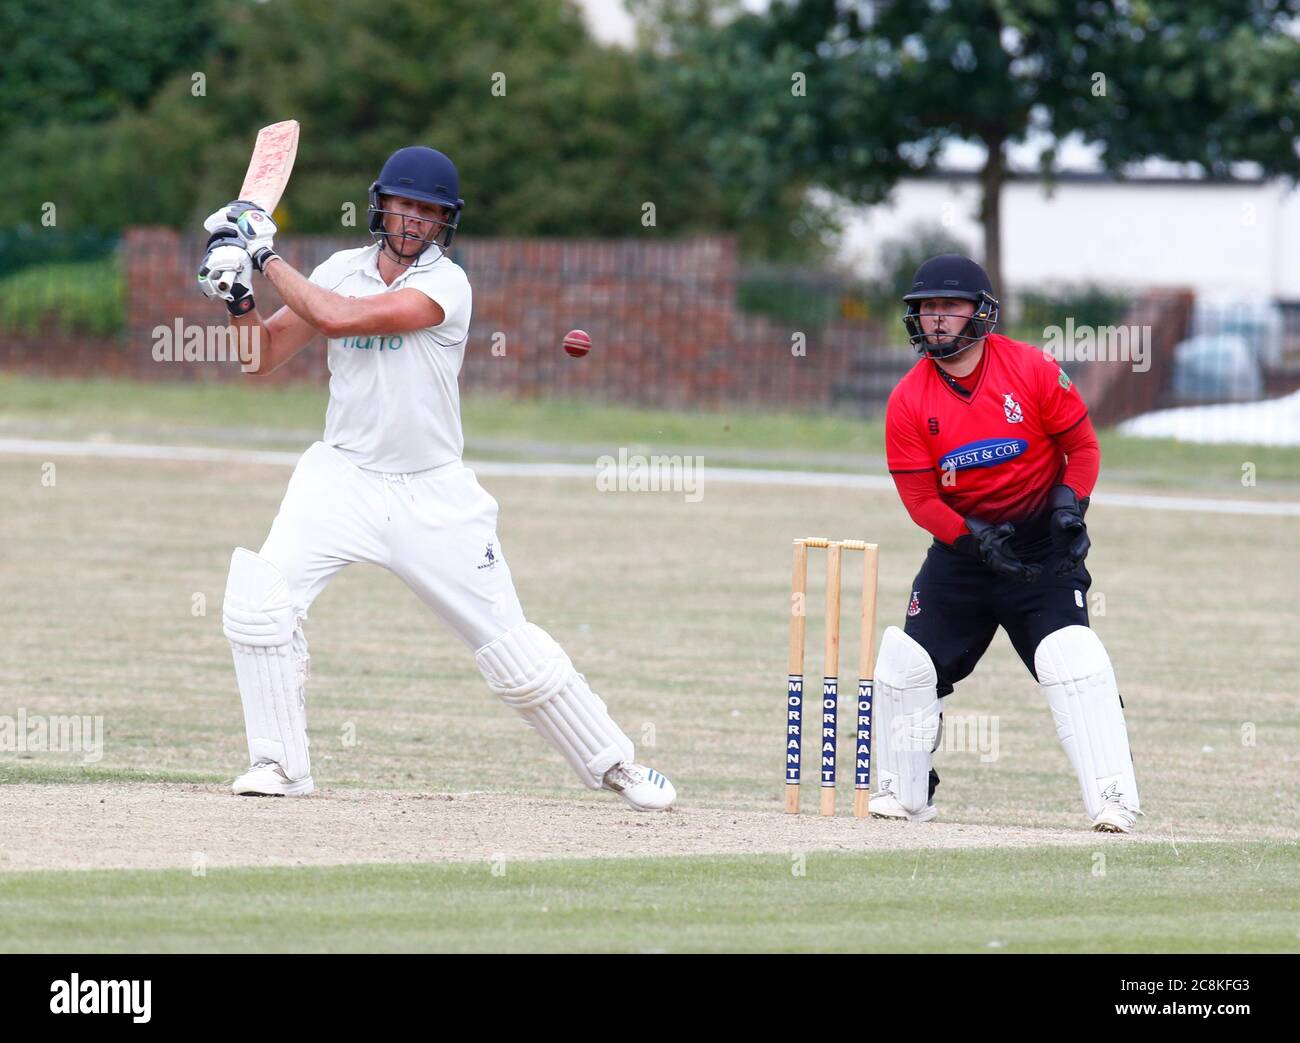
[
  {"x": 990, "y": 544},
  {"x": 1069, "y": 533}
]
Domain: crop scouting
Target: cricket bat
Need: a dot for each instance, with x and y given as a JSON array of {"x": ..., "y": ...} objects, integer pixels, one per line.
[
  {"x": 268, "y": 170},
  {"x": 271, "y": 164}
]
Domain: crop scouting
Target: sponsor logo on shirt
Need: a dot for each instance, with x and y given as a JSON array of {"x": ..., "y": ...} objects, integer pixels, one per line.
[
  {"x": 988, "y": 452},
  {"x": 377, "y": 343},
  {"x": 489, "y": 558}
]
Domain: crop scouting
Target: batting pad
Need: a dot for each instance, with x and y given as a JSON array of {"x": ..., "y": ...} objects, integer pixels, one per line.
[
  {"x": 531, "y": 673},
  {"x": 270, "y": 662},
  {"x": 910, "y": 719},
  {"x": 1079, "y": 682}
]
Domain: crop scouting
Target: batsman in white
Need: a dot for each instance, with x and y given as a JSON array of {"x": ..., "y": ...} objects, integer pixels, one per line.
[{"x": 386, "y": 483}]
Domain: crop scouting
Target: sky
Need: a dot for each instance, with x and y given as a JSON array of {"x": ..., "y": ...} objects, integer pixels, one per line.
[{"x": 609, "y": 21}]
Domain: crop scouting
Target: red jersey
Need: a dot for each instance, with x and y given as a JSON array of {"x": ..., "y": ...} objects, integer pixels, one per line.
[{"x": 993, "y": 452}]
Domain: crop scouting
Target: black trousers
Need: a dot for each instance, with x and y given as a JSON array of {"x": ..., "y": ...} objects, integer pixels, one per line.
[{"x": 957, "y": 605}]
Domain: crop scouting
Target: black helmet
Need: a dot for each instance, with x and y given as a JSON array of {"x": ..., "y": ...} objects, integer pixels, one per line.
[{"x": 951, "y": 275}]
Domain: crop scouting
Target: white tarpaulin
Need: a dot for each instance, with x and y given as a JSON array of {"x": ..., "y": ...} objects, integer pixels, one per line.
[{"x": 1275, "y": 421}]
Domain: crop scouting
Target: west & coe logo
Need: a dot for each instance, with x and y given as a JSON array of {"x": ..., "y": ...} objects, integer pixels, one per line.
[{"x": 988, "y": 452}]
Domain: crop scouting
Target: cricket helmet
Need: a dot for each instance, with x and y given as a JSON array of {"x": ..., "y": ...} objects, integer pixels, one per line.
[
  {"x": 422, "y": 173},
  {"x": 951, "y": 275}
]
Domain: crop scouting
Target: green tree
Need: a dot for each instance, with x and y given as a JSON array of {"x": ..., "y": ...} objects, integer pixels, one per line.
[
  {"x": 768, "y": 118},
  {"x": 85, "y": 62},
  {"x": 573, "y": 141},
  {"x": 1213, "y": 83},
  {"x": 1209, "y": 82}
]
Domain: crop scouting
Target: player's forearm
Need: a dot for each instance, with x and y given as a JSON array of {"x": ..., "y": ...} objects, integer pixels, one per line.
[
  {"x": 268, "y": 353},
  {"x": 1082, "y": 457},
  {"x": 323, "y": 309},
  {"x": 254, "y": 341},
  {"x": 924, "y": 506}
]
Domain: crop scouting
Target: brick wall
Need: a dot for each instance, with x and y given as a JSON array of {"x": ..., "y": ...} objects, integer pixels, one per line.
[{"x": 662, "y": 316}]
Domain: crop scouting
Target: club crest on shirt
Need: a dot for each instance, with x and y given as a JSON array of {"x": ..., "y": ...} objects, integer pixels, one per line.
[
  {"x": 489, "y": 557},
  {"x": 1012, "y": 409},
  {"x": 914, "y": 606}
]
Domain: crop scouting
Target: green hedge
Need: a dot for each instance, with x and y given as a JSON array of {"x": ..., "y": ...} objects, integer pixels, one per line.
[
  {"x": 75, "y": 296},
  {"x": 1088, "y": 305}
]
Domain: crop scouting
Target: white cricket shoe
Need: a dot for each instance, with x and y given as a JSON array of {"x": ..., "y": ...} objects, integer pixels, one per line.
[
  {"x": 643, "y": 788},
  {"x": 267, "y": 779},
  {"x": 1115, "y": 817},
  {"x": 886, "y": 805}
]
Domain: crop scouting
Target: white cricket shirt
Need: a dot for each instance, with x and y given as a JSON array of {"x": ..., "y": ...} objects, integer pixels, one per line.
[{"x": 395, "y": 399}]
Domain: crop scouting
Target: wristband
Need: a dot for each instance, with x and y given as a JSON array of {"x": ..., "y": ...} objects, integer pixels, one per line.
[{"x": 263, "y": 257}]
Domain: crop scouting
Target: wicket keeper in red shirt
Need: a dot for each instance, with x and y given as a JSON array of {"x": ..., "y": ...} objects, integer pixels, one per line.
[{"x": 992, "y": 452}]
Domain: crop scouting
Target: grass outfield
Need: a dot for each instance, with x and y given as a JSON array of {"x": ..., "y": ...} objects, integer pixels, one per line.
[
  {"x": 1135, "y": 898},
  {"x": 677, "y": 612},
  {"x": 277, "y": 415}
]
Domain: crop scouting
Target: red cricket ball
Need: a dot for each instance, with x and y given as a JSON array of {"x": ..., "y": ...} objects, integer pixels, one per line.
[{"x": 577, "y": 343}]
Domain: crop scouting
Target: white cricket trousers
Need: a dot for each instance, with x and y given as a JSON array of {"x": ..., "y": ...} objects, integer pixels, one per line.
[{"x": 436, "y": 530}]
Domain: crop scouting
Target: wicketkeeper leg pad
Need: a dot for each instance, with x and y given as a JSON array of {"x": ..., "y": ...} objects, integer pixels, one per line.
[
  {"x": 910, "y": 717},
  {"x": 532, "y": 674},
  {"x": 1076, "y": 676},
  {"x": 271, "y": 662}
]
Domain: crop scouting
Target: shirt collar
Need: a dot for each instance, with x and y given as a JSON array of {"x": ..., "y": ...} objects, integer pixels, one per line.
[{"x": 367, "y": 263}]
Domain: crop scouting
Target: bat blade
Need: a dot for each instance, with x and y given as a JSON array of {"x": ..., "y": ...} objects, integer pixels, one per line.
[{"x": 271, "y": 164}]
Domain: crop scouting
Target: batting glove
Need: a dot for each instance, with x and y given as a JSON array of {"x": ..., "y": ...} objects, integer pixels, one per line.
[
  {"x": 253, "y": 225},
  {"x": 227, "y": 272}
]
